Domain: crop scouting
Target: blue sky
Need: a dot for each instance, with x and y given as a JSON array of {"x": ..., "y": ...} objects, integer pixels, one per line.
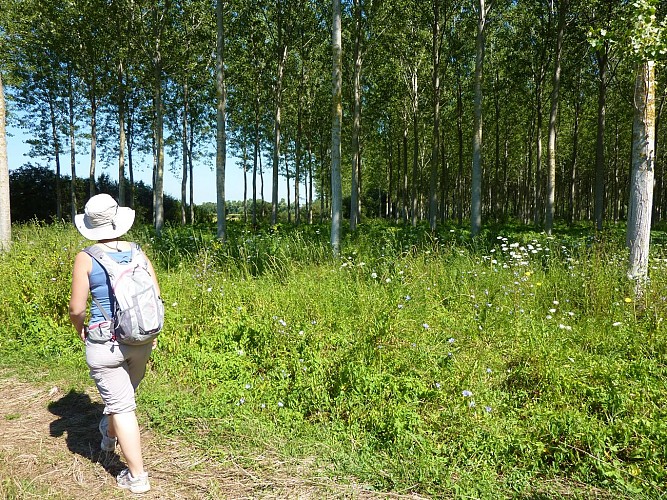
[{"x": 204, "y": 185}]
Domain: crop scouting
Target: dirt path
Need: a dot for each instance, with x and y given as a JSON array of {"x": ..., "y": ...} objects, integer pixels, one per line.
[{"x": 49, "y": 448}]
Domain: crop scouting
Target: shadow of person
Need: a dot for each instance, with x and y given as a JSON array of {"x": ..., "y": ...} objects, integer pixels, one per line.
[{"x": 79, "y": 418}]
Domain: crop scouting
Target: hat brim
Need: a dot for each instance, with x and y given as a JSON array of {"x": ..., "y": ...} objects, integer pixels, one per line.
[{"x": 124, "y": 220}]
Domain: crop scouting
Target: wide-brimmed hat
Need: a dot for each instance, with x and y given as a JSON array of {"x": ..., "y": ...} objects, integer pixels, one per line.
[{"x": 104, "y": 219}]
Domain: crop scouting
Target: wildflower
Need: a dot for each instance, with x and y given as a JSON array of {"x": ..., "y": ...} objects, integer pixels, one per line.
[
  {"x": 617, "y": 323},
  {"x": 174, "y": 304},
  {"x": 425, "y": 325},
  {"x": 241, "y": 401},
  {"x": 552, "y": 310},
  {"x": 466, "y": 393},
  {"x": 489, "y": 370},
  {"x": 209, "y": 289},
  {"x": 487, "y": 409},
  {"x": 374, "y": 275},
  {"x": 407, "y": 297},
  {"x": 262, "y": 406},
  {"x": 556, "y": 302},
  {"x": 400, "y": 306},
  {"x": 549, "y": 316},
  {"x": 280, "y": 404},
  {"x": 248, "y": 386},
  {"x": 388, "y": 280},
  {"x": 437, "y": 385},
  {"x": 471, "y": 404},
  {"x": 627, "y": 300},
  {"x": 451, "y": 340},
  {"x": 282, "y": 322}
]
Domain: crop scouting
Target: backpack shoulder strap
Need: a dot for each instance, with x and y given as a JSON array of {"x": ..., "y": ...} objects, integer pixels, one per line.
[{"x": 107, "y": 263}]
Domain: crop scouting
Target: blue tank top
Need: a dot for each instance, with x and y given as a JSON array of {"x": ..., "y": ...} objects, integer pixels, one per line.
[{"x": 100, "y": 286}]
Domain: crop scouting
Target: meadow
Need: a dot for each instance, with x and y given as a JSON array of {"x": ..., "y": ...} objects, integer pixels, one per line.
[{"x": 510, "y": 365}]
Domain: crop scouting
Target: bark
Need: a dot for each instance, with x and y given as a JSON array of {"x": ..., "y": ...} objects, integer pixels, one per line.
[
  {"x": 221, "y": 135},
  {"x": 602, "y": 57},
  {"x": 356, "y": 120},
  {"x": 476, "y": 181},
  {"x": 158, "y": 179},
  {"x": 255, "y": 154},
  {"x": 282, "y": 58},
  {"x": 93, "y": 143},
  {"x": 56, "y": 156},
  {"x": 435, "y": 151},
  {"x": 121, "y": 138},
  {"x": 641, "y": 183},
  {"x": 5, "y": 214},
  {"x": 553, "y": 115},
  {"x": 72, "y": 142},
  {"x": 415, "y": 148},
  {"x": 184, "y": 148},
  {"x": 336, "y": 125}
]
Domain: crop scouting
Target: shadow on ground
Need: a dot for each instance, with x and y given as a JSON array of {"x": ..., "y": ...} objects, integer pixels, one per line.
[{"x": 78, "y": 419}]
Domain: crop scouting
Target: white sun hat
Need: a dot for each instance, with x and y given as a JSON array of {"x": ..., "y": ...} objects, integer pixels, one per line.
[{"x": 104, "y": 219}]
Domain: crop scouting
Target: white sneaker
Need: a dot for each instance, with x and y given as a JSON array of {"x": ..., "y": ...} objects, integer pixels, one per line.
[
  {"x": 138, "y": 484},
  {"x": 108, "y": 443}
]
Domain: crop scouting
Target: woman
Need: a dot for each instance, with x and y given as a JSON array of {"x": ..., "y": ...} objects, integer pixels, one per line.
[{"x": 117, "y": 369}]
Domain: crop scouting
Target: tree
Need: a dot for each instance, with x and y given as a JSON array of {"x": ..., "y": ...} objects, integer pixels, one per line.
[
  {"x": 646, "y": 42},
  {"x": 476, "y": 184},
  {"x": 221, "y": 145},
  {"x": 336, "y": 125},
  {"x": 5, "y": 218},
  {"x": 562, "y": 6}
]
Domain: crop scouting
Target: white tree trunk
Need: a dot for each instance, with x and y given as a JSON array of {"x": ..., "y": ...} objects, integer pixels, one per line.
[
  {"x": 641, "y": 182},
  {"x": 476, "y": 179},
  {"x": 5, "y": 217},
  {"x": 221, "y": 138},
  {"x": 336, "y": 124},
  {"x": 551, "y": 145}
]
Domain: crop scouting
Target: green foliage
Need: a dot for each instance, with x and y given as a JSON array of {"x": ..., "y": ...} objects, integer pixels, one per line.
[{"x": 498, "y": 366}]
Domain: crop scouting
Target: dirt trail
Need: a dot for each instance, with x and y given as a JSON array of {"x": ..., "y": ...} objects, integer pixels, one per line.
[{"x": 49, "y": 448}]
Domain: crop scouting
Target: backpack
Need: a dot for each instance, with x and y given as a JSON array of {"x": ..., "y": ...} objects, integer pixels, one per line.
[{"x": 138, "y": 311}]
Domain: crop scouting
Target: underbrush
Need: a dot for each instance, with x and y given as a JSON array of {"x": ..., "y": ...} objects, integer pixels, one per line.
[{"x": 512, "y": 365}]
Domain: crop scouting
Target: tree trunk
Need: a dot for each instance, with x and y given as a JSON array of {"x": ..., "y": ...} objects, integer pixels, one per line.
[
  {"x": 415, "y": 149},
  {"x": 158, "y": 181},
  {"x": 72, "y": 141},
  {"x": 406, "y": 211},
  {"x": 553, "y": 115},
  {"x": 641, "y": 184},
  {"x": 184, "y": 143},
  {"x": 476, "y": 182},
  {"x": 435, "y": 146},
  {"x": 573, "y": 161},
  {"x": 56, "y": 156},
  {"x": 121, "y": 138},
  {"x": 356, "y": 120},
  {"x": 130, "y": 169},
  {"x": 93, "y": 143},
  {"x": 255, "y": 155},
  {"x": 336, "y": 125},
  {"x": 5, "y": 213},
  {"x": 282, "y": 58},
  {"x": 459, "y": 135},
  {"x": 602, "y": 57},
  {"x": 221, "y": 135}
]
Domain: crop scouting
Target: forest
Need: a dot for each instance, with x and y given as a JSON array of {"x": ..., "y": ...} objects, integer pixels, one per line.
[{"x": 451, "y": 110}]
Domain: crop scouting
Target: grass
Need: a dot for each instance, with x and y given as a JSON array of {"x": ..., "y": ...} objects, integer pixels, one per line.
[{"x": 513, "y": 365}]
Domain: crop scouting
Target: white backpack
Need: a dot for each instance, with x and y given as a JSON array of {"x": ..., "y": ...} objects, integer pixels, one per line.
[{"x": 138, "y": 312}]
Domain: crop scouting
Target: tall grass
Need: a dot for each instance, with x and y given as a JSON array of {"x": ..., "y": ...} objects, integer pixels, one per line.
[{"x": 515, "y": 363}]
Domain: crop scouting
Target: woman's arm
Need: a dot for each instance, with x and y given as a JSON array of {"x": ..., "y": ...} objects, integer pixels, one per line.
[{"x": 80, "y": 288}]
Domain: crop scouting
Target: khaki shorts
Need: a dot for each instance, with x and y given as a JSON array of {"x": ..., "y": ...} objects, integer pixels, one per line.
[{"x": 117, "y": 370}]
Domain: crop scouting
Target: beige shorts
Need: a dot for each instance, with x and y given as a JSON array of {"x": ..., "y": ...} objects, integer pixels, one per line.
[{"x": 117, "y": 370}]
